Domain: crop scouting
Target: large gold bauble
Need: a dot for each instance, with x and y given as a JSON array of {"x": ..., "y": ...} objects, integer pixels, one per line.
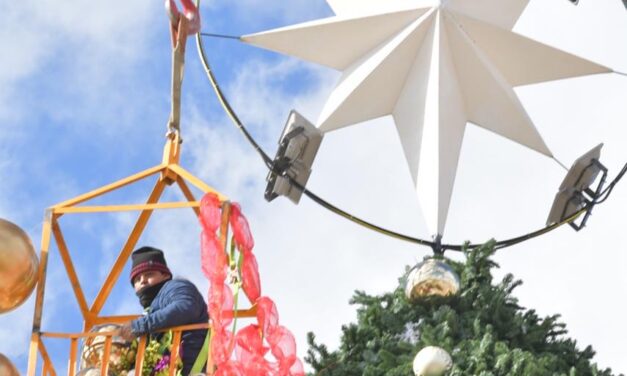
[
  {"x": 6, "y": 367},
  {"x": 432, "y": 361},
  {"x": 18, "y": 266},
  {"x": 431, "y": 278}
]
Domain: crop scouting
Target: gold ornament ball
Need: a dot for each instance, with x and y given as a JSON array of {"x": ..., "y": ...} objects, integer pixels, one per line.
[
  {"x": 432, "y": 361},
  {"x": 6, "y": 367},
  {"x": 431, "y": 278},
  {"x": 18, "y": 266}
]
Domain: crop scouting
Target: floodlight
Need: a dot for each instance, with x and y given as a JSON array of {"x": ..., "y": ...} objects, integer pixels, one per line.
[
  {"x": 581, "y": 175},
  {"x": 567, "y": 202},
  {"x": 298, "y": 146},
  {"x": 576, "y": 192}
]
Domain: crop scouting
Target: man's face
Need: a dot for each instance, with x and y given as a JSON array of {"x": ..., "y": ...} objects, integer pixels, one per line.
[{"x": 149, "y": 278}]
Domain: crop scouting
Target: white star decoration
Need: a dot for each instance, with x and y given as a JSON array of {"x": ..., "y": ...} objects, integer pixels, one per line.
[{"x": 434, "y": 65}]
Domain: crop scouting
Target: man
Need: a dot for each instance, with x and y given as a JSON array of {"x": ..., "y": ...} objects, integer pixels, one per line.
[{"x": 167, "y": 302}]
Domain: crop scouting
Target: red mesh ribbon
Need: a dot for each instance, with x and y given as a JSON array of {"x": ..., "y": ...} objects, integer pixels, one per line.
[
  {"x": 250, "y": 277},
  {"x": 251, "y": 344},
  {"x": 210, "y": 213},
  {"x": 220, "y": 304},
  {"x": 221, "y": 340},
  {"x": 297, "y": 368},
  {"x": 248, "y": 344},
  {"x": 213, "y": 258},
  {"x": 230, "y": 368},
  {"x": 189, "y": 11},
  {"x": 245, "y": 243},
  {"x": 241, "y": 230},
  {"x": 267, "y": 314},
  {"x": 282, "y": 343}
]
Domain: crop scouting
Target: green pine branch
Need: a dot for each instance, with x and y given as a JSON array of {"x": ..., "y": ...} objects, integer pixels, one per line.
[{"x": 484, "y": 329}]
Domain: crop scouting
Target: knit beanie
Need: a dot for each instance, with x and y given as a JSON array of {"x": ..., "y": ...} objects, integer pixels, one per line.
[{"x": 148, "y": 259}]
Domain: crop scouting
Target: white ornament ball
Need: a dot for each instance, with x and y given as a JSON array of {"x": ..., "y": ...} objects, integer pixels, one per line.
[
  {"x": 432, "y": 361},
  {"x": 431, "y": 278}
]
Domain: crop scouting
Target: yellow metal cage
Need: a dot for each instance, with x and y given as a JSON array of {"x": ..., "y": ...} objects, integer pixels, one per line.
[{"x": 169, "y": 173}]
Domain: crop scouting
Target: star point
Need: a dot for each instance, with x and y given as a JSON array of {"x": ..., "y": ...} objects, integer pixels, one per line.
[{"x": 434, "y": 66}]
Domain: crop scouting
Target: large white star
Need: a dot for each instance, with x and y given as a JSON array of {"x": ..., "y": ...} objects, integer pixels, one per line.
[{"x": 434, "y": 65}]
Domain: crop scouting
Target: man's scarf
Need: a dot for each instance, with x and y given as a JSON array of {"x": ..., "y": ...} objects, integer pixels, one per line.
[{"x": 148, "y": 294}]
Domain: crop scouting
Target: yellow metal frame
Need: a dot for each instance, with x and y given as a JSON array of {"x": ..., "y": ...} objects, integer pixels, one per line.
[{"x": 169, "y": 172}]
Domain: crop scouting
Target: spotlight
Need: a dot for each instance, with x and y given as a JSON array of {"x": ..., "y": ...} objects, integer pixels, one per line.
[
  {"x": 576, "y": 192},
  {"x": 298, "y": 146}
]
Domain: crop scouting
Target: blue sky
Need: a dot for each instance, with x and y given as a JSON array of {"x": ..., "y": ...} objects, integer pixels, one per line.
[{"x": 84, "y": 101}]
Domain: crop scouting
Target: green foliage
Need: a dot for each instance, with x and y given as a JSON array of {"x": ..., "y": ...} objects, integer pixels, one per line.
[{"x": 484, "y": 329}]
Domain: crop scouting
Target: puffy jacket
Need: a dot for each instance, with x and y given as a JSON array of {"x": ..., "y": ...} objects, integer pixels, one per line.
[{"x": 177, "y": 303}]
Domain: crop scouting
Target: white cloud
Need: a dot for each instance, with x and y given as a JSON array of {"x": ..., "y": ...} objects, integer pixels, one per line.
[
  {"x": 249, "y": 14},
  {"x": 4, "y": 192},
  {"x": 69, "y": 46},
  {"x": 15, "y": 329}
]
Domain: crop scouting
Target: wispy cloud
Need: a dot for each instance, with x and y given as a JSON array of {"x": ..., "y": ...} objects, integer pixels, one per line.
[
  {"x": 251, "y": 14},
  {"x": 68, "y": 47},
  {"x": 15, "y": 329}
]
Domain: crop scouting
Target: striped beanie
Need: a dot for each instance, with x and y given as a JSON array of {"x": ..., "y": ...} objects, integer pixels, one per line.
[{"x": 148, "y": 259}]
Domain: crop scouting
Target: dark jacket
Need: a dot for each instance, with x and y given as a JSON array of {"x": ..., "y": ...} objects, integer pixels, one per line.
[{"x": 178, "y": 303}]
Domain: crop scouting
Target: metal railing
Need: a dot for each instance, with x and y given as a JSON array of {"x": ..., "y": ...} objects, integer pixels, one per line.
[{"x": 48, "y": 368}]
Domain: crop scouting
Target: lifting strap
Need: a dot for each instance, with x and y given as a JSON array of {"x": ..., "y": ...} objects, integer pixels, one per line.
[
  {"x": 203, "y": 356},
  {"x": 181, "y": 25}
]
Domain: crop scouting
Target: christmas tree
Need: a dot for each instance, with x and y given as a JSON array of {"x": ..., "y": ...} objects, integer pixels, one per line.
[{"x": 484, "y": 329}]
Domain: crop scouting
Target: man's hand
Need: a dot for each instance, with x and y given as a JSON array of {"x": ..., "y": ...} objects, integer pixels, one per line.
[{"x": 126, "y": 332}]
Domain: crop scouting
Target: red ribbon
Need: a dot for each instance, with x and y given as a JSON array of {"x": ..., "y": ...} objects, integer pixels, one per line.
[
  {"x": 251, "y": 343},
  {"x": 190, "y": 11}
]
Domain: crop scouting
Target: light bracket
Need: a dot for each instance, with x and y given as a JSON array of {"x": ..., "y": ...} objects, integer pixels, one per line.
[
  {"x": 576, "y": 191},
  {"x": 298, "y": 146}
]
